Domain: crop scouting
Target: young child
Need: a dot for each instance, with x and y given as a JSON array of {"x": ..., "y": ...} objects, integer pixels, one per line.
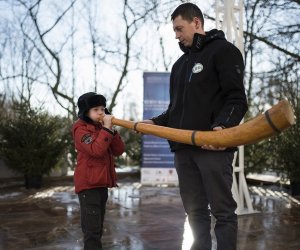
[{"x": 96, "y": 144}]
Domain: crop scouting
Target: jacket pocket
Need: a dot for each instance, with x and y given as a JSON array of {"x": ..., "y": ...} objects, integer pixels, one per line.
[
  {"x": 92, "y": 219},
  {"x": 97, "y": 173}
]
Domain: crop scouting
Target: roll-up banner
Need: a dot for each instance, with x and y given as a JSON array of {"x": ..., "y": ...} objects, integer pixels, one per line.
[{"x": 157, "y": 159}]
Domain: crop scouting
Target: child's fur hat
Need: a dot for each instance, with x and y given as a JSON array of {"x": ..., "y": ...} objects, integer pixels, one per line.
[{"x": 90, "y": 100}]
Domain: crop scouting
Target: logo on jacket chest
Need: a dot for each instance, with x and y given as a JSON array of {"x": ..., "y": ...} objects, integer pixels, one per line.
[{"x": 198, "y": 67}]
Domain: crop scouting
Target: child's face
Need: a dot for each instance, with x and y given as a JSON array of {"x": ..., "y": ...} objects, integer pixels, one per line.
[{"x": 96, "y": 114}]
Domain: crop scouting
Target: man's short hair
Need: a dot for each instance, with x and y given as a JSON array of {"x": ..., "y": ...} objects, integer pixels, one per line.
[{"x": 188, "y": 11}]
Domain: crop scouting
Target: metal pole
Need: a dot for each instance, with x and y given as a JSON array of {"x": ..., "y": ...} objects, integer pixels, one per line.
[{"x": 229, "y": 18}]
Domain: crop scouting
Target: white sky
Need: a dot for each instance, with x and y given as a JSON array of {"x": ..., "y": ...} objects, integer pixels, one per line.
[{"x": 109, "y": 23}]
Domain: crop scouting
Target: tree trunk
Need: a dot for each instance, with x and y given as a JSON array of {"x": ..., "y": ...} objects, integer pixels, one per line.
[
  {"x": 33, "y": 181},
  {"x": 295, "y": 188}
]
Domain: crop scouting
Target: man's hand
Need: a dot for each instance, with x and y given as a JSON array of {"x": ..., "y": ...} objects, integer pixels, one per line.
[
  {"x": 211, "y": 147},
  {"x": 144, "y": 121},
  {"x": 147, "y": 121}
]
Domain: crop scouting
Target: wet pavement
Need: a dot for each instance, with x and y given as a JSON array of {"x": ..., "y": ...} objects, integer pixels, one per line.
[{"x": 137, "y": 218}]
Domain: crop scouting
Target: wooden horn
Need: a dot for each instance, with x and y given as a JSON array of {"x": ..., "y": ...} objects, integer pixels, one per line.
[{"x": 273, "y": 121}]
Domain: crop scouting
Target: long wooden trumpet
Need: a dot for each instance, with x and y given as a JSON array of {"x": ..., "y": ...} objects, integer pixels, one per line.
[{"x": 272, "y": 122}]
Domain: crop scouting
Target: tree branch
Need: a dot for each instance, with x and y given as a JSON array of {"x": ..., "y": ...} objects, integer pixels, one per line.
[{"x": 272, "y": 45}]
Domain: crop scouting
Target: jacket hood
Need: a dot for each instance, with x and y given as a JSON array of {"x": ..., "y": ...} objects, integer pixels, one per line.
[{"x": 199, "y": 40}]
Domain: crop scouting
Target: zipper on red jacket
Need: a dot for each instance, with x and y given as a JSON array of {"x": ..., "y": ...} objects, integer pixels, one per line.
[{"x": 111, "y": 166}]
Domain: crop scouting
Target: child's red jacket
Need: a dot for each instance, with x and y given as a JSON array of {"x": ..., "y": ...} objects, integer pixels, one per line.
[{"x": 96, "y": 147}]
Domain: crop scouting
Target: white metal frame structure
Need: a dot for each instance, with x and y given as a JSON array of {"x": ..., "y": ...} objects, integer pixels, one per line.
[{"x": 229, "y": 18}]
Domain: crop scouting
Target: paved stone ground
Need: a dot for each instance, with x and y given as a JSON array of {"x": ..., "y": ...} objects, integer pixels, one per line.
[{"x": 137, "y": 218}]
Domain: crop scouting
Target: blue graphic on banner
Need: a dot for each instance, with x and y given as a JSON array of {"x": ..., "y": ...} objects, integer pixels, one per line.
[{"x": 156, "y": 151}]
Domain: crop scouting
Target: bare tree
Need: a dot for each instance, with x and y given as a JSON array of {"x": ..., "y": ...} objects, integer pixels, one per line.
[
  {"x": 52, "y": 39},
  {"x": 49, "y": 42},
  {"x": 269, "y": 34},
  {"x": 133, "y": 16},
  {"x": 273, "y": 64},
  {"x": 50, "y": 55},
  {"x": 91, "y": 10},
  {"x": 41, "y": 61}
]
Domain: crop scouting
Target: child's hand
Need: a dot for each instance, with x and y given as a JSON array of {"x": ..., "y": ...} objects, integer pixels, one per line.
[
  {"x": 107, "y": 121},
  {"x": 101, "y": 116}
]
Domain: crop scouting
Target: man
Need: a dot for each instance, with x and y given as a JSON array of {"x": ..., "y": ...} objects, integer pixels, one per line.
[{"x": 206, "y": 93}]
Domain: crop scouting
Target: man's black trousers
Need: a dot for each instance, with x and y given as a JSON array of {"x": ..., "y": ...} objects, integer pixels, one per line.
[{"x": 205, "y": 181}]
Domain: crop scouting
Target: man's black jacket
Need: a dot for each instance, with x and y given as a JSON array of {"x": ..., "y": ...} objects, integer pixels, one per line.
[{"x": 206, "y": 87}]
